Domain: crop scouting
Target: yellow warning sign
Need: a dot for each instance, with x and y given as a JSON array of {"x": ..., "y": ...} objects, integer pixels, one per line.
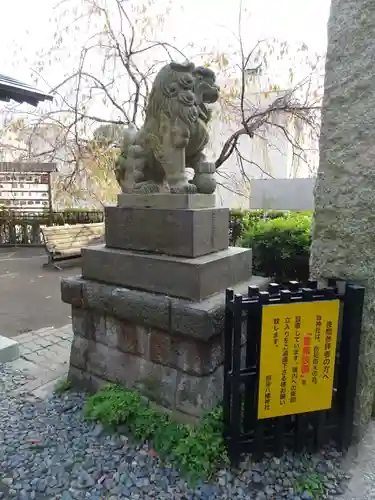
[{"x": 297, "y": 358}]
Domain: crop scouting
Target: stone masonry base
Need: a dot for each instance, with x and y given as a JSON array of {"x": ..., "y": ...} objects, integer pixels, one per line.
[
  {"x": 168, "y": 349},
  {"x": 177, "y": 373}
]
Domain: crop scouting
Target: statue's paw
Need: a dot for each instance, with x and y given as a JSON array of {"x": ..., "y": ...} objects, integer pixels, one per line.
[
  {"x": 186, "y": 188},
  {"x": 147, "y": 188}
]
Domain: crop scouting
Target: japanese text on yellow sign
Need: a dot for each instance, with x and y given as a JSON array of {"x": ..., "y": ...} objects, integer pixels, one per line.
[{"x": 297, "y": 358}]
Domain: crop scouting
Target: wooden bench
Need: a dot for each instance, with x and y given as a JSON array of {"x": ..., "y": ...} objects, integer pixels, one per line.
[{"x": 65, "y": 242}]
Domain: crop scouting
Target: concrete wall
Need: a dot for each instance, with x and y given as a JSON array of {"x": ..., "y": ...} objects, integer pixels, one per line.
[
  {"x": 269, "y": 154},
  {"x": 282, "y": 194}
]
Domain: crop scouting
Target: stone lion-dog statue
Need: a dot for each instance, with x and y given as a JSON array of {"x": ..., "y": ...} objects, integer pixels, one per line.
[{"x": 154, "y": 159}]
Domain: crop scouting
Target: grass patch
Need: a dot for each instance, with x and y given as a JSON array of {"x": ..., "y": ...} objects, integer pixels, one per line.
[
  {"x": 312, "y": 483},
  {"x": 196, "y": 451},
  {"x": 63, "y": 386}
]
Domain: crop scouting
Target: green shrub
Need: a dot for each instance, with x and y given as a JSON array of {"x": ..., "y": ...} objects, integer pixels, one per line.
[
  {"x": 197, "y": 451},
  {"x": 241, "y": 221},
  {"x": 281, "y": 247}
]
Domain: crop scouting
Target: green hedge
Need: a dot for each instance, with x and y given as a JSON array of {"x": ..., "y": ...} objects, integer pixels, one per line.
[
  {"x": 242, "y": 220},
  {"x": 281, "y": 246}
]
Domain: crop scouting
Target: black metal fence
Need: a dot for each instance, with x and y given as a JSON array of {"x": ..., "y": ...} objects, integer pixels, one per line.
[
  {"x": 24, "y": 229},
  {"x": 245, "y": 432}
]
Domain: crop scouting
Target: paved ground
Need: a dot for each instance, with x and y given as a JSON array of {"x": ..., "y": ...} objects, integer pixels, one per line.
[
  {"x": 44, "y": 355},
  {"x": 29, "y": 294},
  {"x": 360, "y": 462}
]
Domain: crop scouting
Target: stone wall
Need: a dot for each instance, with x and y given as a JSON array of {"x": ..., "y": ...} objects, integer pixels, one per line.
[
  {"x": 177, "y": 372},
  {"x": 169, "y": 349}
]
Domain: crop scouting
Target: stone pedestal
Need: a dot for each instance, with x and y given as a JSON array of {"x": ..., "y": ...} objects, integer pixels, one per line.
[
  {"x": 148, "y": 311},
  {"x": 182, "y": 233}
]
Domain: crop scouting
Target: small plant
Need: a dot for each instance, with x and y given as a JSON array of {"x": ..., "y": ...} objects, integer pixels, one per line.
[
  {"x": 63, "y": 386},
  {"x": 197, "y": 451},
  {"x": 311, "y": 483}
]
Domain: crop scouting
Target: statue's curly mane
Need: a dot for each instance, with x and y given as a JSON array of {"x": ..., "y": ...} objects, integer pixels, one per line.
[
  {"x": 154, "y": 159},
  {"x": 173, "y": 94}
]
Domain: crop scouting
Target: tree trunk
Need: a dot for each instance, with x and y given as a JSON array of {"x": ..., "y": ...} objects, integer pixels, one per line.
[{"x": 344, "y": 228}]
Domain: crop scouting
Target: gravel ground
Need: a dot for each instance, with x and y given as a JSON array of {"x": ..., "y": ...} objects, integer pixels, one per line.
[{"x": 48, "y": 451}]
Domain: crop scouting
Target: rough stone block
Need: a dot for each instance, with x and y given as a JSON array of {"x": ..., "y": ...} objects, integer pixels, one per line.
[
  {"x": 113, "y": 365},
  {"x": 79, "y": 321},
  {"x": 193, "y": 279},
  {"x": 9, "y": 350},
  {"x": 155, "y": 381},
  {"x": 168, "y": 201},
  {"x": 197, "y": 395},
  {"x": 126, "y": 336},
  {"x": 205, "y": 319},
  {"x": 84, "y": 380},
  {"x": 185, "y": 233},
  {"x": 79, "y": 352},
  {"x": 185, "y": 354},
  {"x": 71, "y": 291},
  {"x": 158, "y": 383},
  {"x": 134, "y": 305},
  {"x": 201, "y": 320}
]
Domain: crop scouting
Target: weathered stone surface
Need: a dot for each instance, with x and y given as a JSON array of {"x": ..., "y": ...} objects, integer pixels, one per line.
[
  {"x": 167, "y": 201},
  {"x": 130, "y": 338},
  {"x": 188, "y": 355},
  {"x": 205, "y": 319},
  {"x": 90, "y": 358},
  {"x": 166, "y": 386},
  {"x": 113, "y": 365},
  {"x": 200, "y": 320},
  {"x": 79, "y": 352},
  {"x": 178, "y": 366},
  {"x": 345, "y": 188},
  {"x": 195, "y": 395},
  {"x": 193, "y": 279},
  {"x": 184, "y": 233},
  {"x": 134, "y": 305},
  {"x": 71, "y": 291},
  {"x": 159, "y": 383},
  {"x": 157, "y": 363},
  {"x": 84, "y": 380},
  {"x": 80, "y": 318}
]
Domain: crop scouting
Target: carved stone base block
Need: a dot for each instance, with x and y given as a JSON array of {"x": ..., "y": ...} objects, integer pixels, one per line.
[
  {"x": 193, "y": 279},
  {"x": 166, "y": 201},
  {"x": 168, "y": 349},
  {"x": 184, "y": 233}
]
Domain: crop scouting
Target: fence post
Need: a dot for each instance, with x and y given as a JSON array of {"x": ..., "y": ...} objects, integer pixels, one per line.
[
  {"x": 349, "y": 354},
  {"x": 228, "y": 342},
  {"x": 252, "y": 345},
  {"x": 259, "y": 444},
  {"x": 236, "y": 399}
]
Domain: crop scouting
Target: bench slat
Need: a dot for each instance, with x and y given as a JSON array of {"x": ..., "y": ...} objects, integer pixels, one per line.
[
  {"x": 81, "y": 237},
  {"x": 69, "y": 240},
  {"x": 67, "y": 246},
  {"x": 72, "y": 229},
  {"x": 74, "y": 241},
  {"x": 70, "y": 251}
]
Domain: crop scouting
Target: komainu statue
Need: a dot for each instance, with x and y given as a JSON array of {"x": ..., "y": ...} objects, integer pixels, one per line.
[{"x": 154, "y": 159}]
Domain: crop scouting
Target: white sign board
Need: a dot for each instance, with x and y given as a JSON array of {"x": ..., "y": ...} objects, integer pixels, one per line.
[{"x": 282, "y": 194}]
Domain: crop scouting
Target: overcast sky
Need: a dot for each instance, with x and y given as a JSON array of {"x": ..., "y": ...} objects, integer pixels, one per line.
[{"x": 25, "y": 26}]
